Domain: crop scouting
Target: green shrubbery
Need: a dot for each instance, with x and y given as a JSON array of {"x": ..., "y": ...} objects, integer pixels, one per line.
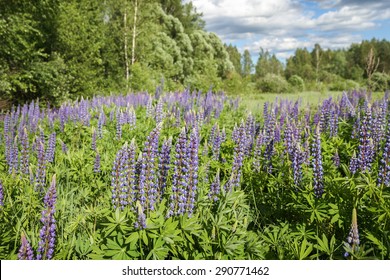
[{"x": 273, "y": 83}]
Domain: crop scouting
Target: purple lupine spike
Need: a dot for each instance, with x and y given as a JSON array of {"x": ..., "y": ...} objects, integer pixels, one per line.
[
  {"x": 353, "y": 240},
  {"x": 118, "y": 124},
  {"x": 25, "y": 251},
  {"x": 217, "y": 141},
  {"x": 378, "y": 128},
  {"x": 288, "y": 138},
  {"x": 353, "y": 164},
  {"x": 317, "y": 164},
  {"x": 366, "y": 150},
  {"x": 118, "y": 179},
  {"x": 132, "y": 121},
  {"x": 141, "y": 217},
  {"x": 1, "y": 194},
  {"x": 148, "y": 175},
  {"x": 50, "y": 151},
  {"x": 47, "y": 233},
  {"x": 336, "y": 159},
  {"x": 384, "y": 169},
  {"x": 159, "y": 112},
  {"x": 25, "y": 154},
  {"x": 164, "y": 166},
  {"x": 258, "y": 151},
  {"x": 40, "y": 175},
  {"x": 132, "y": 174},
  {"x": 101, "y": 122},
  {"x": 96, "y": 164},
  {"x": 14, "y": 158},
  {"x": 297, "y": 161},
  {"x": 193, "y": 149},
  {"x": 238, "y": 158},
  {"x": 149, "y": 107},
  {"x": 179, "y": 177},
  {"x": 215, "y": 188}
]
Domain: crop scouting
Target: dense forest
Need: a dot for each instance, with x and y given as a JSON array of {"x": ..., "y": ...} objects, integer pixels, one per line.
[{"x": 56, "y": 49}]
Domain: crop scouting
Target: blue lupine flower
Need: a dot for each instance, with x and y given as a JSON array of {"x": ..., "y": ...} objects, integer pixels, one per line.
[
  {"x": 47, "y": 233},
  {"x": 317, "y": 165},
  {"x": 25, "y": 251},
  {"x": 353, "y": 240},
  {"x": 384, "y": 169}
]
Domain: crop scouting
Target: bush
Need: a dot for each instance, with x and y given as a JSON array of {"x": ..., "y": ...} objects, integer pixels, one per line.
[
  {"x": 380, "y": 81},
  {"x": 273, "y": 83},
  {"x": 296, "y": 83}
]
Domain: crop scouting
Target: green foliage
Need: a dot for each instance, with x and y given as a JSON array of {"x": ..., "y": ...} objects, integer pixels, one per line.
[
  {"x": 296, "y": 83},
  {"x": 380, "y": 81},
  {"x": 272, "y": 83}
]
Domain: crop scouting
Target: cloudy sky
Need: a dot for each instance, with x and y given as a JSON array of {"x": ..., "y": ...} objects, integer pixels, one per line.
[{"x": 281, "y": 26}]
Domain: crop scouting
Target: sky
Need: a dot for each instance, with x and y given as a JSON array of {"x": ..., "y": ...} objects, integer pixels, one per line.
[{"x": 281, "y": 26}]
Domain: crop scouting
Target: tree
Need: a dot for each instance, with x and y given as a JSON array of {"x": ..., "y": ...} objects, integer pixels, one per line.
[
  {"x": 235, "y": 57},
  {"x": 247, "y": 64}
]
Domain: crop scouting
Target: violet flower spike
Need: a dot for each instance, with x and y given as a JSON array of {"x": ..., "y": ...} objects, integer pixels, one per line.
[
  {"x": 47, "y": 233},
  {"x": 25, "y": 251},
  {"x": 317, "y": 164}
]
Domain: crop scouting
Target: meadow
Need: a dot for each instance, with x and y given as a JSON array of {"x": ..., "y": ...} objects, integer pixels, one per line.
[{"x": 190, "y": 175}]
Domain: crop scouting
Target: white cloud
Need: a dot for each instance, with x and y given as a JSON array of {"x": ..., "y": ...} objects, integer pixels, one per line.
[{"x": 281, "y": 26}]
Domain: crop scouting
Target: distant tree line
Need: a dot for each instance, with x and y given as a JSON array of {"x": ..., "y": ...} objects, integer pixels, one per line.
[
  {"x": 63, "y": 49},
  {"x": 366, "y": 64}
]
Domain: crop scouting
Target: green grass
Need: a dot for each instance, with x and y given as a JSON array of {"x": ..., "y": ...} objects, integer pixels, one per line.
[{"x": 255, "y": 102}]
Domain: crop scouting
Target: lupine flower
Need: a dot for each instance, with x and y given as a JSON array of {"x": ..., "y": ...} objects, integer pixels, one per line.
[
  {"x": 353, "y": 164},
  {"x": 353, "y": 240},
  {"x": 25, "y": 251},
  {"x": 96, "y": 165},
  {"x": 238, "y": 158},
  {"x": 217, "y": 141},
  {"x": 159, "y": 113},
  {"x": 131, "y": 174},
  {"x": 25, "y": 155},
  {"x": 384, "y": 169},
  {"x": 317, "y": 165},
  {"x": 297, "y": 161},
  {"x": 193, "y": 147},
  {"x": 50, "y": 151},
  {"x": 258, "y": 151},
  {"x": 179, "y": 177},
  {"x": 47, "y": 234},
  {"x": 215, "y": 188},
  {"x": 118, "y": 179},
  {"x": 366, "y": 150},
  {"x": 148, "y": 176},
  {"x": 149, "y": 107},
  {"x": 336, "y": 159},
  {"x": 40, "y": 175},
  {"x": 164, "y": 162},
  {"x": 101, "y": 122},
  {"x": 118, "y": 124}
]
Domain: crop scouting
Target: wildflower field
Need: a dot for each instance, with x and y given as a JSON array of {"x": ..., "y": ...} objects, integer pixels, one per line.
[{"x": 192, "y": 175}]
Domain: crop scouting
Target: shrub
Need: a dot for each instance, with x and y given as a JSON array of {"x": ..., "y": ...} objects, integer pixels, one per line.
[
  {"x": 273, "y": 83},
  {"x": 380, "y": 81},
  {"x": 296, "y": 83}
]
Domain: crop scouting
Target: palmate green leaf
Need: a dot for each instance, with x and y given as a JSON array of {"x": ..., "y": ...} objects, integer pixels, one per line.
[
  {"x": 132, "y": 238},
  {"x": 377, "y": 242},
  {"x": 159, "y": 252},
  {"x": 302, "y": 249}
]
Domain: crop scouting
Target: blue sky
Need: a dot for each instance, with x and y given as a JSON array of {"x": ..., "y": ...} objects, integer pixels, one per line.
[{"x": 281, "y": 26}]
